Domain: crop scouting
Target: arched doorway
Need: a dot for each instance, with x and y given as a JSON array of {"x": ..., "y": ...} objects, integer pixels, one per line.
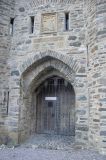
[
  {"x": 35, "y": 81},
  {"x": 55, "y": 107}
]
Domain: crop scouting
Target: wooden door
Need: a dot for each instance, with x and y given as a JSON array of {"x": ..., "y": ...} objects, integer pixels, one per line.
[{"x": 55, "y": 108}]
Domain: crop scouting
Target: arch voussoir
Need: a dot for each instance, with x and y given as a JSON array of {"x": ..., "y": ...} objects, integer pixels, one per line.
[
  {"x": 54, "y": 64},
  {"x": 66, "y": 59}
]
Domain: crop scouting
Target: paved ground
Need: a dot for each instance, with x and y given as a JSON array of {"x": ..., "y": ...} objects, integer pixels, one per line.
[
  {"x": 46, "y": 154},
  {"x": 50, "y": 141},
  {"x": 48, "y": 147}
]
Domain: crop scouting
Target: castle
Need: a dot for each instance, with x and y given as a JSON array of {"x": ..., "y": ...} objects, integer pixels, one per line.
[{"x": 53, "y": 70}]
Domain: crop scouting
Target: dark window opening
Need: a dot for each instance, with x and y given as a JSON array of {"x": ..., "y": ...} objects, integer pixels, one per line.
[
  {"x": 32, "y": 24},
  {"x": 87, "y": 56},
  {"x": 66, "y": 21},
  {"x": 7, "y": 102},
  {"x": 11, "y": 26}
]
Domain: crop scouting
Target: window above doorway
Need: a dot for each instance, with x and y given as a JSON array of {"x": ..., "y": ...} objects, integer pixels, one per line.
[
  {"x": 11, "y": 26},
  {"x": 67, "y": 21}
]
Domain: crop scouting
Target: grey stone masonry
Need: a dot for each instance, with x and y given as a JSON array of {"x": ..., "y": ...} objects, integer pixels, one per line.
[
  {"x": 97, "y": 73},
  {"x": 6, "y": 12},
  {"x": 44, "y": 38}
]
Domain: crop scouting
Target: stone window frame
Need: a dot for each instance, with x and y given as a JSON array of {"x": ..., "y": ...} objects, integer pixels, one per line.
[
  {"x": 32, "y": 24},
  {"x": 47, "y": 13},
  {"x": 64, "y": 21},
  {"x": 11, "y": 26}
]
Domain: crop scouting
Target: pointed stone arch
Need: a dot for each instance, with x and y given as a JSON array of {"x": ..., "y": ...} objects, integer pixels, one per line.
[
  {"x": 36, "y": 58},
  {"x": 30, "y": 75},
  {"x": 35, "y": 70}
]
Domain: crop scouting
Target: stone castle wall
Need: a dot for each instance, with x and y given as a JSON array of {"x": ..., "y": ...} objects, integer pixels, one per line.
[
  {"x": 96, "y": 35},
  {"x": 6, "y": 11},
  {"x": 79, "y": 53}
]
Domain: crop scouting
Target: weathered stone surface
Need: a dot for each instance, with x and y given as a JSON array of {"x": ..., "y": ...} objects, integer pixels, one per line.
[
  {"x": 75, "y": 44},
  {"x": 15, "y": 73},
  {"x": 101, "y": 32},
  {"x": 82, "y": 70},
  {"x": 102, "y": 109},
  {"x": 22, "y": 9},
  {"x": 103, "y": 133},
  {"x": 81, "y": 112},
  {"x": 83, "y": 98},
  {"x": 82, "y": 128},
  {"x": 47, "y": 47},
  {"x": 72, "y": 38}
]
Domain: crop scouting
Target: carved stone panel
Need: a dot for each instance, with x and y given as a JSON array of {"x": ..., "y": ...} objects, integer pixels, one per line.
[{"x": 49, "y": 23}]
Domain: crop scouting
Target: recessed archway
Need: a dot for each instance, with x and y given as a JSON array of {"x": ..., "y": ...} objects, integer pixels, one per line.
[
  {"x": 28, "y": 113},
  {"x": 35, "y": 73},
  {"x": 49, "y": 110}
]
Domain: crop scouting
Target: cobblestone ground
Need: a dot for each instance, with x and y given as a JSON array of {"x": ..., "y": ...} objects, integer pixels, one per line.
[
  {"x": 46, "y": 147},
  {"x": 46, "y": 154},
  {"x": 50, "y": 141}
]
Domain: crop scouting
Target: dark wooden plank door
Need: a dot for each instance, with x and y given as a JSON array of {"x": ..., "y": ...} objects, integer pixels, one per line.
[
  {"x": 45, "y": 112},
  {"x": 56, "y": 116}
]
